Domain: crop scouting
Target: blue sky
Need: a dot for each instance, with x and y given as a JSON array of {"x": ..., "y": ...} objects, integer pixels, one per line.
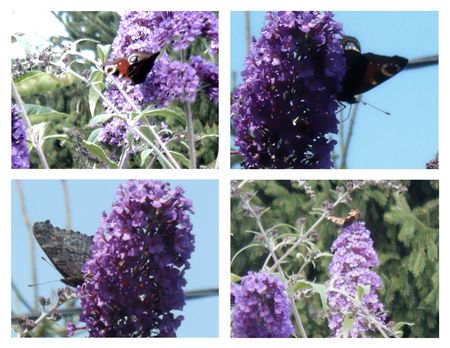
[
  {"x": 409, "y": 137},
  {"x": 88, "y": 199}
]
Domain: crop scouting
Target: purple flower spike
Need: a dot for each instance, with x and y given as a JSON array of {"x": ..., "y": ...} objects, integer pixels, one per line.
[
  {"x": 19, "y": 151},
  {"x": 285, "y": 110},
  {"x": 353, "y": 259},
  {"x": 260, "y": 307},
  {"x": 209, "y": 77},
  {"x": 135, "y": 277}
]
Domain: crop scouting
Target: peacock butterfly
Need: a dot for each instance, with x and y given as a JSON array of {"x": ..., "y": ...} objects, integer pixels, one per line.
[
  {"x": 365, "y": 71},
  {"x": 344, "y": 222},
  {"x": 66, "y": 249},
  {"x": 136, "y": 67}
]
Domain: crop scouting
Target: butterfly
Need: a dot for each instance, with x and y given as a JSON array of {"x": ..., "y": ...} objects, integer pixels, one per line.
[
  {"x": 364, "y": 71},
  {"x": 344, "y": 222},
  {"x": 135, "y": 68},
  {"x": 66, "y": 249}
]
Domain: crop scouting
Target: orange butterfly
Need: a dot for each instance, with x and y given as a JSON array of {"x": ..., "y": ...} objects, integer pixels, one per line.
[{"x": 344, "y": 222}]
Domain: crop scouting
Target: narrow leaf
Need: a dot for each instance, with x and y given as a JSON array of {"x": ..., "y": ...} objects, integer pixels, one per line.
[
  {"x": 38, "y": 114},
  {"x": 99, "y": 119},
  {"x": 39, "y": 82},
  {"x": 97, "y": 151},
  {"x": 235, "y": 278},
  {"x": 96, "y": 79},
  {"x": 347, "y": 325},
  {"x": 103, "y": 52}
]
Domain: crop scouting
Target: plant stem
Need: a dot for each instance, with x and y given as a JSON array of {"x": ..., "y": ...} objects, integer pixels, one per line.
[
  {"x": 346, "y": 144},
  {"x": 154, "y": 133},
  {"x": 66, "y": 204},
  {"x": 191, "y": 136},
  {"x": 31, "y": 248},
  {"x": 312, "y": 228},
  {"x": 123, "y": 157},
  {"x": 34, "y": 140}
]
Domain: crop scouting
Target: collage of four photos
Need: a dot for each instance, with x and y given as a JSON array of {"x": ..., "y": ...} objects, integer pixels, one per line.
[{"x": 126, "y": 92}]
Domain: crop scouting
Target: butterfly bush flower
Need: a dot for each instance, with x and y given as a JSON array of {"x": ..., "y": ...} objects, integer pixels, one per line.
[
  {"x": 135, "y": 277},
  {"x": 209, "y": 77},
  {"x": 260, "y": 307},
  {"x": 285, "y": 110},
  {"x": 169, "y": 79},
  {"x": 19, "y": 150},
  {"x": 434, "y": 163},
  {"x": 351, "y": 266}
]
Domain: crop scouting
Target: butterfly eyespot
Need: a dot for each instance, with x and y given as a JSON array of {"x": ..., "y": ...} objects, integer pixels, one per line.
[
  {"x": 110, "y": 69},
  {"x": 133, "y": 59},
  {"x": 389, "y": 69}
]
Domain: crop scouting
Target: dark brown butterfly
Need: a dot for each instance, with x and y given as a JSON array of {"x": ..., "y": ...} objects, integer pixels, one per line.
[
  {"x": 344, "y": 222},
  {"x": 365, "y": 71},
  {"x": 66, "y": 249},
  {"x": 136, "y": 67}
]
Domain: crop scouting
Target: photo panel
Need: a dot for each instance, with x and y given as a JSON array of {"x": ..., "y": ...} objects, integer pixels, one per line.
[
  {"x": 334, "y": 258},
  {"x": 342, "y": 89},
  {"x": 109, "y": 258},
  {"x": 134, "y": 89}
]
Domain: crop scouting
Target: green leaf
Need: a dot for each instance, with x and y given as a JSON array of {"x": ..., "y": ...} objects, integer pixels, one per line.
[
  {"x": 39, "y": 130},
  {"x": 320, "y": 289},
  {"x": 96, "y": 79},
  {"x": 98, "y": 152},
  {"x": 93, "y": 136},
  {"x": 347, "y": 325},
  {"x": 144, "y": 155},
  {"x": 166, "y": 113},
  {"x": 103, "y": 52},
  {"x": 235, "y": 278},
  {"x": 180, "y": 158},
  {"x": 38, "y": 114},
  {"x": 301, "y": 285},
  {"x": 39, "y": 82},
  {"x": 56, "y": 136},
  {"x": 362, "y": 291},
  {"x": 147, "y": 133},
  {"x": 99, "y": 119},
  {"x": 400, "y": 324},
  {"x": 399, "y": 328}
]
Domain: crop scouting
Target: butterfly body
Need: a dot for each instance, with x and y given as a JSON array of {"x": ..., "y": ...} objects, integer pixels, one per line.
[
  {"x": 365, "y": 71},
  {"x": 66, "y": 249},
  {"x": 135, "y": 67},
  {"x": 353, "y": 216}
]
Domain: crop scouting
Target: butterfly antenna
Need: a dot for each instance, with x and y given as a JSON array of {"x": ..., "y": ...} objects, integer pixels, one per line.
[
  {"x": 51, "y": 264},
  {"x": 50, "y": 281},
  {"x": 376, "y": 108}
]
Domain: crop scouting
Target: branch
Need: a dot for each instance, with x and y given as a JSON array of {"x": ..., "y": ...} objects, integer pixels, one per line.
[{"x": 26, "y": 219}]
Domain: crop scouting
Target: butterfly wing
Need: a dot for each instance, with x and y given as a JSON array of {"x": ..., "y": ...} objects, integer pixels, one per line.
[
  {"x": 118, "y": 67},
  {"x": 379, "y": 69},
  {"x": 66, "y": 249},
  {"x": 366, "y": 71},
  {"x": 140, "y": 65},
  {"x": 355, "y": 69}
]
